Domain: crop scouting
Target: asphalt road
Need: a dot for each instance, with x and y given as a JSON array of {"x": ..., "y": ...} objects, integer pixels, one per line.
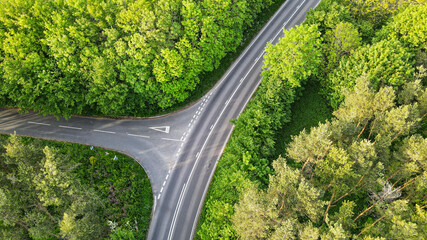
[{"x": 180, "y": 151}]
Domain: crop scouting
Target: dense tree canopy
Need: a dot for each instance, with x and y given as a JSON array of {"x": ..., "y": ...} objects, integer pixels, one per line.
[
  {"x": 48, "y": 192},
  {"x": 368, "y": 155},
  {"x": 113, "y": 57}
]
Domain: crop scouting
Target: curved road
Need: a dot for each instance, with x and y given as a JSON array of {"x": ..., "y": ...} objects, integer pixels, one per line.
[{"x": 179, "y": 152}]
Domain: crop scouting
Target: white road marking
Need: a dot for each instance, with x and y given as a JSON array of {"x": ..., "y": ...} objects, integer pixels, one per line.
[
  {"x": 197, "y": 155},
  {"x": 44, "y": 124},
  {"x": 158, "y": 196},
  {"x": 253, "y": 92},
  {"x": 178, "y": 207},
  {"x": 76, "y": 128},
  {"x": 194, "y": 116},
  {"x": 164, "y": 182},
  {"x": 161, "y": 190},
  {"x": 211, "y": 127},
  {"x": 286, "y": 23},
  {"x": 210, "y": 177},
  {"x": 226, "y": 102},
  {"x": 141, "y": 136},
  {"x": 170, "y": 139},
  {"x": 256, "y": 60},
  {"x": 164, "y": 129},
  {"x": 241, "y": 80},
  {"x": 167, "y": 176},
  {"x": 189, "y": 124},
  {"x": 191, "y": 120},
  {"x": 102, "y": 131}
]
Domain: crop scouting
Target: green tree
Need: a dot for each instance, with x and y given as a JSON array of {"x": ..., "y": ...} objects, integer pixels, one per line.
[
  {"x": 340, "y": 42},
  {"x": 295, "y": 57},
  {"x": 386, "y": 63}
]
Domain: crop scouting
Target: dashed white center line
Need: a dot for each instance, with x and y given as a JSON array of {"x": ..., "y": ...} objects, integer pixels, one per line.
[
  {"x": 167, "y": 176},
  {"x": 102, "y": 131},
  {"x": 158, "y": 197},
  {"x": 161, "y": 190},
  {"x": 69, "y": 127},
  {"x": 141, "y": 136},
  {"x": 197, "y": 155},
  {"x": 44, "y": 124}
]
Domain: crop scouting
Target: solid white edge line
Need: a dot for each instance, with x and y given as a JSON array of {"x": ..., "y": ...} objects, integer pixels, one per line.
[
  {"x": 178, "y": 207},
  {"x": 207, "y": 186},
  {"x": 37, "y": 123},
  {"x": 286, "y": 23},
  {"x": 247, "y": 48}
]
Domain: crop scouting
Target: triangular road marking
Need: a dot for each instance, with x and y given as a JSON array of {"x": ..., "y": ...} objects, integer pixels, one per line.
[{"x": 164, "y": 129}]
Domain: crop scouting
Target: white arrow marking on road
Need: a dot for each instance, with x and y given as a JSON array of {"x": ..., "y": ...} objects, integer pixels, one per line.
[{"x": 164, "y": 129}]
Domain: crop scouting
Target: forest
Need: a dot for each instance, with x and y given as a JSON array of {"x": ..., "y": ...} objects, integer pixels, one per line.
[
  {"x": 114, "y": 57},
  {"x": 54, "y": 190},
  {"x": 354, "y": 169}
]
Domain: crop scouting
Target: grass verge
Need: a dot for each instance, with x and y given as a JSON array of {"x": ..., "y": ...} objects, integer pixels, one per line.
[{"x": 310, "y": 109}]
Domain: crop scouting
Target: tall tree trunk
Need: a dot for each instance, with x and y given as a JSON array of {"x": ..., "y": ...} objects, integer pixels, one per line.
[
  {"x": 367, "y": 228},
  {"x": 329, "y": 206},
  {"x": 351, "y": 190},
  {"x": 43, "y": 209},
  {"x": 363, "y": 129}
]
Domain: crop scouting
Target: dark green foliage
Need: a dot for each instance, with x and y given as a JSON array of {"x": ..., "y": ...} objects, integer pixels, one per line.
[
  {"x": 113, "y": 57},
  {"x": 310, "y": 109},
  {"x": 79, "y": 192}
]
